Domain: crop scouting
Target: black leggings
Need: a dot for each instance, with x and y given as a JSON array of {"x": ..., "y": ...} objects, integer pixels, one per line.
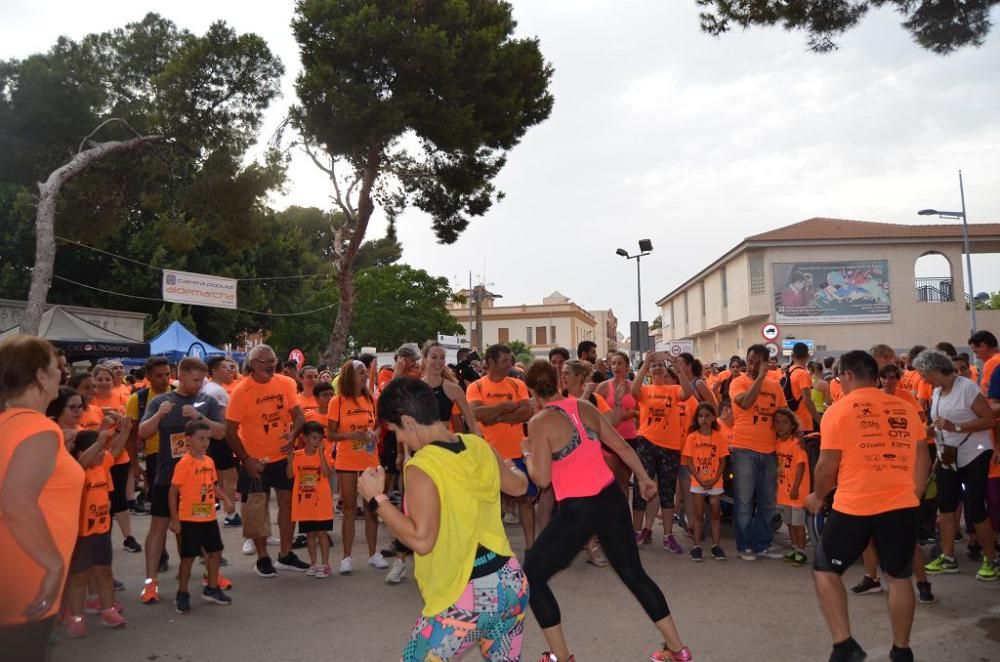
[{"x": 607, "y": 515}]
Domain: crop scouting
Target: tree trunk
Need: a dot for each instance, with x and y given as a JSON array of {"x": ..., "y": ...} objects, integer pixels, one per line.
[{"x": 45, "y": 223}]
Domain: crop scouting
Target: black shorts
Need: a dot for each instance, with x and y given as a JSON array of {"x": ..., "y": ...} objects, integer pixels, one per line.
[
  {"x": 196, "y": 536},
  {"x": 973, "y": 478},
  {"x": 844, "y": 538},
  {"x": 119, "y": 479},
  {"x": 221, "y": 454},
  {"x": 91, "y": 551},
  {"x": 159, "y": 501},
  {"x": 151, "y": 459},
  {"x": 316, "y": 525},
  {"x": 387, "y": 456},
  {"x": 272, "y": 477}
]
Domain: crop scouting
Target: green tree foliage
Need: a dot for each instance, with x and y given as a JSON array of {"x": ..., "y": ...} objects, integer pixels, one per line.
[
  {"x": 521, "y": 352},
  {"x": 398, "y": 304},
  {"x": 940, "y": 26},
  {"x": 170, "y": 313},
  {"x": 382, "y": 76}
]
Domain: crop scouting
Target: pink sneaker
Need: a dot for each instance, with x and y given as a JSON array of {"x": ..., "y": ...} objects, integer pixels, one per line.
[
  {"x": 93, "y": 606},
  {"x": 647, "y": 536},
  {"x": 549, "y": 657},
  {"x": 671, "y": 545},
  {"x": 112, "y": 618},
  {"x": 322, "y": 572},
  {"x": 667, "y": 655},
  {"x": 75, "y": 627}
]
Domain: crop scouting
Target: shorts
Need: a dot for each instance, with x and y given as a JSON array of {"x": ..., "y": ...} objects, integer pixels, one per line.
[
  {"x": 792, "y": 516},
  {"x": 532, "y": 488},
  {"x": 196, "y": 536},
  {"x": 119, "y": 479},
  {"x": 698, "y": 489},
  {"x": 973, "y": 478},
  {"x": 151, "y": 459},
  {"x": 273, "y": 476},
  {"x": 844, "y": 538},
  {"x": 662, "y": 465},
  {"x": 312, "y": 526},
  {"x": 91, "y": 551},
  {"x": 388, "y": 454},
  {"x": 221, "y": 454},
  {"x": 159, "y": 505}
]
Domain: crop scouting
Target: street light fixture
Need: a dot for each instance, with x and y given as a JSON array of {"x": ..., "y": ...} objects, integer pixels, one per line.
[
  {"x": 965, "y": 234},
  {"x": 645, "y": 248}
]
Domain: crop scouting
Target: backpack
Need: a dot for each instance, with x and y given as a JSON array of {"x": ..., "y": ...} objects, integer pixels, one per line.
[
  {"x": 786, "y": 388},
  {"x": 143, "y": 395}
]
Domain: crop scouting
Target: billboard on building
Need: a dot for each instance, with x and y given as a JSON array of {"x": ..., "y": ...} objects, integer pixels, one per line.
[{"x": 831, "y": 292}]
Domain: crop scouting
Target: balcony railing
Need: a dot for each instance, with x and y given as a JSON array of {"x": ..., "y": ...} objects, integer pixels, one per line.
[{"x": 934, "y": 290}]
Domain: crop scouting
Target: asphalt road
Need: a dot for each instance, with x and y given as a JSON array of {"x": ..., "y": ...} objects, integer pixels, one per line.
[{"x": 733, "y": 610}]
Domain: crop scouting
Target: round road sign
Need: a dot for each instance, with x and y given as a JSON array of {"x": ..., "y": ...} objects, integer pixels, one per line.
[
  {"x": 772, "y": 349},
  {"x": 770, "y": 331}
]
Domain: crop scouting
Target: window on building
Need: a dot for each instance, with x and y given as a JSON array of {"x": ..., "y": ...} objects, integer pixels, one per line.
[
  {"x": 503, "y": 335},
  {"x": 673, "y": 315},
  {"x": 701, "y": 288},
  {"x": 552, "y": 335},
  {"x": 540, "y": 335},
  {"x": 529, "y": 336},
  {"x": 757, "y": 273},
  {"x": 725, "y": 289},
  {"x": 687, "y": 317}
]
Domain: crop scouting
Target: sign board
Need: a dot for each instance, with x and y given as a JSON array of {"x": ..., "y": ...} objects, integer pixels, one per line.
[
  {"x": 297, "y": 356},
  {"x": 451, "y": 345},
  {"x": 788, "y": 343},
  {"x": 772, "y": 349},
  {"x": 770, "y": 331},
  {"x": 676, "y": 347},
  {"x": 836, "y": 292},
  {"x": 640, "y": 336},
  {"x": 198, "y": 289},
  {"x": 197, "y": 350}
]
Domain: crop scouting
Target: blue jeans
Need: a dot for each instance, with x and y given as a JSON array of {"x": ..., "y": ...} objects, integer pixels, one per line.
[{"x": 755, "y": 484}]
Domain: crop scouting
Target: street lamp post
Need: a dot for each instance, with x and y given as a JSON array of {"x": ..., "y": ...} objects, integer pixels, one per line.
[
  {"x": 645, "y": 248},
  {"x": 965, "y": 235}
]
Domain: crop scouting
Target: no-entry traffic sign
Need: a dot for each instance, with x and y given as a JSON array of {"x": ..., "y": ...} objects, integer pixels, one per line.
[
  {"x": 770, "y": 331},
  {"x": 772, "y": 349}
]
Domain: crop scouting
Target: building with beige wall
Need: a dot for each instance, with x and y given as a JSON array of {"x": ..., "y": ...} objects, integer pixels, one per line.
[{"x": 870, "y": 293}]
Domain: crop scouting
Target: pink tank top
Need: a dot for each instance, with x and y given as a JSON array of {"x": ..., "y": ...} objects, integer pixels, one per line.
[
  {"x": 578, "y": 469},
  {"x": 626, "y": 427}
]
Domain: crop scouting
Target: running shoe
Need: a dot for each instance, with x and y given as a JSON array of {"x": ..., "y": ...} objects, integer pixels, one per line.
[
  {"x": 164, "y": 562},
  {"x": 76, "y": 627},
  {"x": 112, "y": 618},
  {"x": 550, "y": 657},
  {"x": 772, "y": 552},
  {"x": 232, "y": 520},
  {"x": 900, "y": 654},
  {"x": 248, "y": 547},
  {"x": 974, "y": 551},
  {"x": 867, "y": 585},
  {"x": 987, "y": 572},
  {"x": 667, "y": 655},
  {"x": 596, "y": 557},
  {"x": 396, "y": 572},
  {"x": 378, "y": 561},
  {"x": 272, "y": 541},
  {"x": 323, "y": 571},
  {"x": 182, "y": 603},
  {"x": 718, "y": 553},
  {"x": 671, "y": 545},
  {"x": 118, "y": 585},
  {"x": 138, "y": 509},
  {"x": 291, "y": 562},
  {"x": 216, "y": 595},
  {"x": 696, "y": 554},
  {"x": 300, "y": 541},
  {"x": 852, "y": 653},
  {"x": 150, "y": 592},
  {"x": 311, "y": 572},
  {"x": 222, "y": 582},
  {"x": 798, "y": 559},
  {"x": 942, "y": 565},
  {"x": 93, "y": 606},
  {"x": 647, "y": 536},
  {"x": 264, "y": 568},
  {"x": 346, "y": 566},
  {"x": 924, "y": 593},
  {"x": 748, "y": 555},
  {"x": 131, "y": 545}
]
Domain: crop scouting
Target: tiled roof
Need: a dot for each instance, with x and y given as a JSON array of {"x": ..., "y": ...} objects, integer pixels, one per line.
[{"x": 820, "y": 229}]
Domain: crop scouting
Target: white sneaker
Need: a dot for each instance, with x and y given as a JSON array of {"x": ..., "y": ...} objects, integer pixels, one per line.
[
  {"x": 773, "y": 552},
  {"x": 748, "y": 555},
  {"x": 248, "y": 547},
  {"x": 311, "y": 572},
  {"x": 346, "y": 566},
  {"x": 377, "y": 561},
  {"x": 272, "y": 541},
  {"x": 396, "y": 572}
]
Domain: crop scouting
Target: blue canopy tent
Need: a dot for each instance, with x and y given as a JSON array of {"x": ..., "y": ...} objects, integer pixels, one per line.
[{"x": 176, "y": 342}]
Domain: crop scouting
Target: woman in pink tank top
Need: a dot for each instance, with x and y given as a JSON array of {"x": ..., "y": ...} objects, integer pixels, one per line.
[
  {"x": 563, "y": 449},
  {"x": 624, "y": 410}
]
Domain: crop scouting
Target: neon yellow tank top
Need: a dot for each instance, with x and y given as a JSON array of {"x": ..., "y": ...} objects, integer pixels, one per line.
[{"x": 819, "y": 400}]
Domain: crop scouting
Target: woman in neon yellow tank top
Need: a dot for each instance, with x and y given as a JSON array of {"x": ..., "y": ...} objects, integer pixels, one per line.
[{"x": 465, "y": 568}]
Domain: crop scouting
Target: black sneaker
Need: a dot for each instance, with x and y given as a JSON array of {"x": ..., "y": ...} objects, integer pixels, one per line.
[
  {"x": 182, "y": 603},
  {"x": 137, "y": 508},
  {"x": 232, "y": 520},
  {"x": 901, "y": 654},
  {"x": 292, "y": 562},
  {"x": 867, "y": 585},
  {"x": 215, "y": 595},
  {"x": 718, "y": 553},
  {"x": 264, "y": 568},
  {"x": 131, "y": 545},
  {"x": 298, "y": 543},
  {"x": 974, "y": 551},
  {"x": 924, "y": 593},
  {"x": 164, "y": 563},
  {"x": 118, "y": 585},
  {"x": 848, "y": 651},
  {"x": 696, "y": 553}
]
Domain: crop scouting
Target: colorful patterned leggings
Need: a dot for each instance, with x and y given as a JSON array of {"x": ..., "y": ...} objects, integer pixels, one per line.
[{"x": 490, "y": 612}]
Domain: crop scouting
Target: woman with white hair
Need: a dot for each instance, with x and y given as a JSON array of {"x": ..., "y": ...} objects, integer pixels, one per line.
[{"x": 961, "y": 419}]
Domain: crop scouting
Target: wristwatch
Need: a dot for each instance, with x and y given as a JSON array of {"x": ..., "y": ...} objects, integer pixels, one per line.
[{"x": 376, "y": 501}]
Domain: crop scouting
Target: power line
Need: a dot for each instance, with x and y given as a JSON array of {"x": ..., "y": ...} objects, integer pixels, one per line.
[{"x": 242, "y": 310}]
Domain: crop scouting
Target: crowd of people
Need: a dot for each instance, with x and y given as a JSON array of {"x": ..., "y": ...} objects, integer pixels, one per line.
[{"x": 883, "y": 454}]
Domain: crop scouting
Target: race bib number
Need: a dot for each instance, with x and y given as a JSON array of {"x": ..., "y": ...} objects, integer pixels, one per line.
[
  {"x": 308, "y": 480},
  {"x": 202, "y": 509},
  {"x": 358, "y": 445},
  {"x": 178, "y": 445}
]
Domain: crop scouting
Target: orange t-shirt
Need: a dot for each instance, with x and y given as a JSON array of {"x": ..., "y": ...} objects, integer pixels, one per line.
[
  {"x": 791, "y": 453},
  {"x": 801, "y": 379},
  {"x": 660, "y": 415},
  {"x": 195, "y": 479},
  {"x": 59, "y": 501},
  {"x": 505, "y": 437},
  {"x": 727, "y": 431},
  {"x": 328, "y": 447},
  {"x": 93, "y": 416},
  {"x": 989, "y": 367},
  {"x": 312, "y": 499},
  {"x": 925, "y": 390},
  {"x": 908, "y": 380},
  {"x": 601, "y": 404},
  {"x": 908, "y": 397},
  {"x": 353, "y": 415},
  {"x": 308, "y": 403},
  {"x": 115, "y": 401},
  {"x": 836, "y": 390},
  {"x": 264, "y": 414},
  {"x": 753, "y": 428},
  {"x": 686, "y": 410},
  {"x": 95, "y": 507},
  {"x": 707, "y": 454},
  {"x": 878, "y": 436},
  {"x": 774, "y": 374},
  {"x": 231, "y": 386}
]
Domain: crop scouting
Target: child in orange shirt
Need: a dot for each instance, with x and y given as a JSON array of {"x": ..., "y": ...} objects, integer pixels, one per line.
[
  {"x": 92, "y": 555},
  {"x": 793, "y": 482},
  {"x": 705, "y": 452},
  {"x": 192, "y": 515},
  {"x": 312, "y": 498}
]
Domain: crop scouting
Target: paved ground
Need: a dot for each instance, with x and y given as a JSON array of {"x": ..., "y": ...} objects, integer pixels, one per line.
[{"x": 725, "y": 611}]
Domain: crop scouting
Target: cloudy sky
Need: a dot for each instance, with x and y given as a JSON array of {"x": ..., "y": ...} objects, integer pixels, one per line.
[{"x": 662, "y": 132}]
